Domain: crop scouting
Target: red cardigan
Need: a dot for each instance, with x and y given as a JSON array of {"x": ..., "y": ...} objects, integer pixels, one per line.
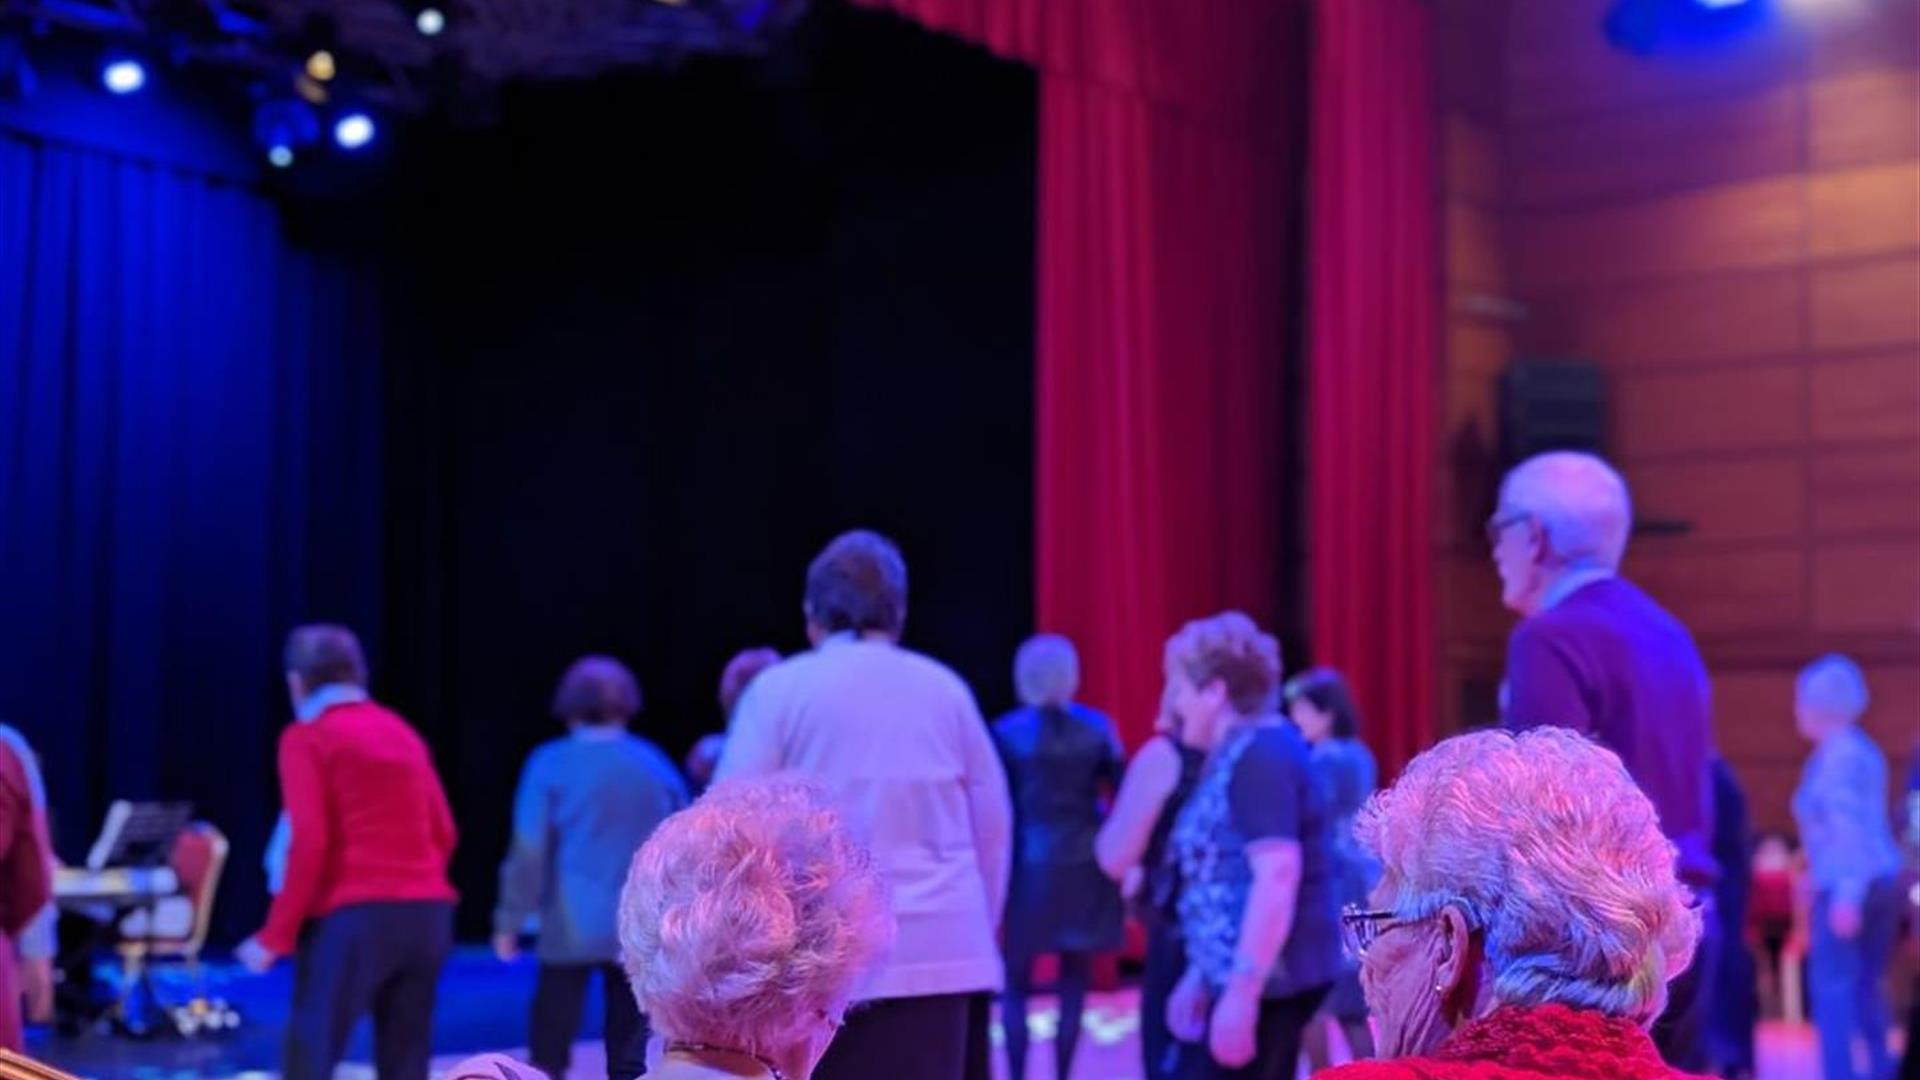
[
  {"x": 1548, "y": 1042},
  {"x": 370, "y": 820}
]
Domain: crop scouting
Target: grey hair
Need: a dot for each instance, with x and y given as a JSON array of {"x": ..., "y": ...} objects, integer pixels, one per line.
[
  {"x": 1835, "y": 685},
  {"x": 748, "y": 918},
  {"x": 1547, "y": 845},
  {"x": 1046, "y": 670},
  {"x": 1580, "y": 502}
]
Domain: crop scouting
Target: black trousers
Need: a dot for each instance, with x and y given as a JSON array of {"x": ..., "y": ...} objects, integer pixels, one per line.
[
  {"x": 922, "y": 1038},
  {"x": 1276, "y": 1042},
  {"x": 559, "y": 998},
  {"x": 1166, "y": 962},
  {"x": 383, "y": 958}
]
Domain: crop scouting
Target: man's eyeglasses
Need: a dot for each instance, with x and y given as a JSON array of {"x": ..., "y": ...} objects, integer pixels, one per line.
[{"x": 1499, "y": 523}]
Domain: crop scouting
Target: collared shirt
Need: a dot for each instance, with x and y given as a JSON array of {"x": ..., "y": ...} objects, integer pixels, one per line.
[
  {"x": 898, "y": 739},
  {"x": 274, "y": 861},
  {"x": 1571, "y": 582},
  {"x": 1841, "y": 807}
]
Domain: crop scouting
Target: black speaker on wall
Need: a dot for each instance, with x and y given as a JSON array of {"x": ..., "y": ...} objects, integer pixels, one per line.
[{"x": 1551, "y": 405}]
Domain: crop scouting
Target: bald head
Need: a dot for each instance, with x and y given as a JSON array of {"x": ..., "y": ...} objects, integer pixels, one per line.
[
  {"x": 1831, "y": 692},
  {"x": 1580, "y": 503}
]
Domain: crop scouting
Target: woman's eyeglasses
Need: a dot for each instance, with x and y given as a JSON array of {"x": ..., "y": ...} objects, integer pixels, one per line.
[{"x": 1361, "y": 927}]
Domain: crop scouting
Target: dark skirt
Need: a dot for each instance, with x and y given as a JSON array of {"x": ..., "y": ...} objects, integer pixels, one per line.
[{"x": 1062, "y": 907}]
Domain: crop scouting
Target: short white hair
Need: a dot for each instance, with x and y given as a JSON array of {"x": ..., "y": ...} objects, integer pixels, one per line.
[
  {"x": 750, "y": 914},
  {"x": 1548, "y": 846},
  {"x": 1580, "y": 501},
  {"x": 1046, "y": 670},
  {"x": 1836, "y": 686}
]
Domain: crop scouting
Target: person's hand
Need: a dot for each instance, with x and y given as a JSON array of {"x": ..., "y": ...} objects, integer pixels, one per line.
[
  {"x": 254, "y": 956},
  {"x": 36, "y": 983},
  {"x": 1187, "y": 1009},
  {"x": 1843, "y": 918},
  {"x": 506, "y": 947},
  {"x": 1132, "y": 882},
  {"x": 1230, "y": 1036}
]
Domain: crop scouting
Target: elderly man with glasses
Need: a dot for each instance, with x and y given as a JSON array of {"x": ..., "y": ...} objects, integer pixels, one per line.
[{"x": 1594, "y": 653}]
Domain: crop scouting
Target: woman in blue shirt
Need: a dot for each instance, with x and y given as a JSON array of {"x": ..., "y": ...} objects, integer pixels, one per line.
[{"x": 586, "y": 803}]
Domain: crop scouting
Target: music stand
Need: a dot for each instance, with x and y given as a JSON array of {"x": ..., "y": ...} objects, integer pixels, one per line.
[{"x": 139, "y": 835}]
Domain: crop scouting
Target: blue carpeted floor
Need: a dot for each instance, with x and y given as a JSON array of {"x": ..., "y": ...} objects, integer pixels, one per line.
[{"x": 483, "y": 1006}]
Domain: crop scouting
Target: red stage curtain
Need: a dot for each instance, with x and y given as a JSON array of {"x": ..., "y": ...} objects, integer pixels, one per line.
[
  {"x": 1166, "y": 192},
  {"x": 1373, "y": 293}
]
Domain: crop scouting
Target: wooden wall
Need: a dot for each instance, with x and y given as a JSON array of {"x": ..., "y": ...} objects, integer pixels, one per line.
[{"x": 1735, "y": 235}]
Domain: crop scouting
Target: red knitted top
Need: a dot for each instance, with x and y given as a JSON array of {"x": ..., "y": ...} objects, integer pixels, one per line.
[{"x": 1515, "y": 1043}]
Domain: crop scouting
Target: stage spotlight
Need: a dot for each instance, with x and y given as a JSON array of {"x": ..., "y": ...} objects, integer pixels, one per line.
[
  {"x": 430, "y": 22},
  {"x": 321, "y": 66},
  {"x": 280, "y": 157},
  {"x": 123, "y": 75},
  {"x": 353, "y": 131},
  {"x": 1717, "y": 5}
]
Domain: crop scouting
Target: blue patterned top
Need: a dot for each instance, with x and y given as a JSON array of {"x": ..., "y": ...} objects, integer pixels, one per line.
[{"x": 1259, "y": 785}]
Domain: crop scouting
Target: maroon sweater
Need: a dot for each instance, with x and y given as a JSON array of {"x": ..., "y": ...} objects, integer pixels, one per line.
[
  {"x": 1609, "y": 662},
  {"x": 370, "y": 820}
]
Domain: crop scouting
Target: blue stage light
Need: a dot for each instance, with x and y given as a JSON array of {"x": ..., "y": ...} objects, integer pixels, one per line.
[
  {"x": 353, "y": 131},
  {"x": 123, "y": 76},
  {"x": 430, "y": 21},
  {"x": 1716, "y": 5},
  {"x": 280, "y": 157}
]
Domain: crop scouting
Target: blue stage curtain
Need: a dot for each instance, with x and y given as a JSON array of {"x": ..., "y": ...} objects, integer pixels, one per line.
[{"x": 189, "y": 464}]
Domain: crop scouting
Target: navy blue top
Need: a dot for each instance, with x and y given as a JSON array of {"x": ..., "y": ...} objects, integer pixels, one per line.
[
  {"x": 1259, "y": 785},
  {"x": 586, "y": 803}
]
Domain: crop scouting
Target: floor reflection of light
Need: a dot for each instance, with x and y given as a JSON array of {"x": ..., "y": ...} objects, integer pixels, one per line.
[{"x": 1106, "y": 1023}]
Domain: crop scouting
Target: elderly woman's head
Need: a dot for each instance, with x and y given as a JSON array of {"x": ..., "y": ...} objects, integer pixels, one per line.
[
  {"x": 1221, "y": 671},
  {"x": 1830, "y": 694},
  {"x": 857, "y": 584},
  {"x": 1518, "y": 870},
  {"x": 596, "y": 690},
  {"x": 748, "y": 918},
  {"x": 1046, "y": 670}
]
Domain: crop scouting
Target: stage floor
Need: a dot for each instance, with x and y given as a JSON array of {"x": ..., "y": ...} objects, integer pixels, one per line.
[{"x": 483, "y": 1007}]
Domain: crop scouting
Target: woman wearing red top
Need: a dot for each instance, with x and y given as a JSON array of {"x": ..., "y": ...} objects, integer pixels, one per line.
[{"x": 1528, "y": 920}]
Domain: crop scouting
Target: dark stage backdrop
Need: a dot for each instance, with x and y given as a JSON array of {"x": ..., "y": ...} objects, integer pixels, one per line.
[
  {"x": 189, "y": 409},
  {"x": 666, "y": 336}
]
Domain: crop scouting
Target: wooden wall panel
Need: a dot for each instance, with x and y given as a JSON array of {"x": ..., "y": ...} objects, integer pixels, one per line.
[
  {"x": 1615, "y": 156},
  {"x": 1474, "y": 249},
  {"x": 1868, "y": 586},
  {"x": 1753, "y": 715},
  {"x": 1867, "y": 398},
  {"x": 1736, "y": 591},
  {"x": 1719, "y": 317},
  {"x": 1868, "y": 211},
  {"x": 1863, "y": 305},
  {"x": 1769, "y": 785},
  {"x": 1731, "y": 409},
  {"x": 1472, "y": 160},
  {"x": 1867, "y": 491},
  {"x": 1739, "y": 499},
  {"x": 1733, "y": 227},
  {"x": 1864, "y": 118}
]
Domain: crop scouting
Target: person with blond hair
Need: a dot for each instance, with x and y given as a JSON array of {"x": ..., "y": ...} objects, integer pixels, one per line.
[
  {"x": 1257, "y": 904},
  {"x": 1061, "y": 758},
  {"x": 586, "y": 802},
  {"x": 1595, "y": 653},
  {"x": 746, "y": 924},
  {"x": 1528, "y": 919}
]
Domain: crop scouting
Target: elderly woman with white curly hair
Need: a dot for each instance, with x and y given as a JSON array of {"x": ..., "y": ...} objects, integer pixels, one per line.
[
  {"x": 745, "y": 923},
  {"x": 1528, "y": 919}
]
